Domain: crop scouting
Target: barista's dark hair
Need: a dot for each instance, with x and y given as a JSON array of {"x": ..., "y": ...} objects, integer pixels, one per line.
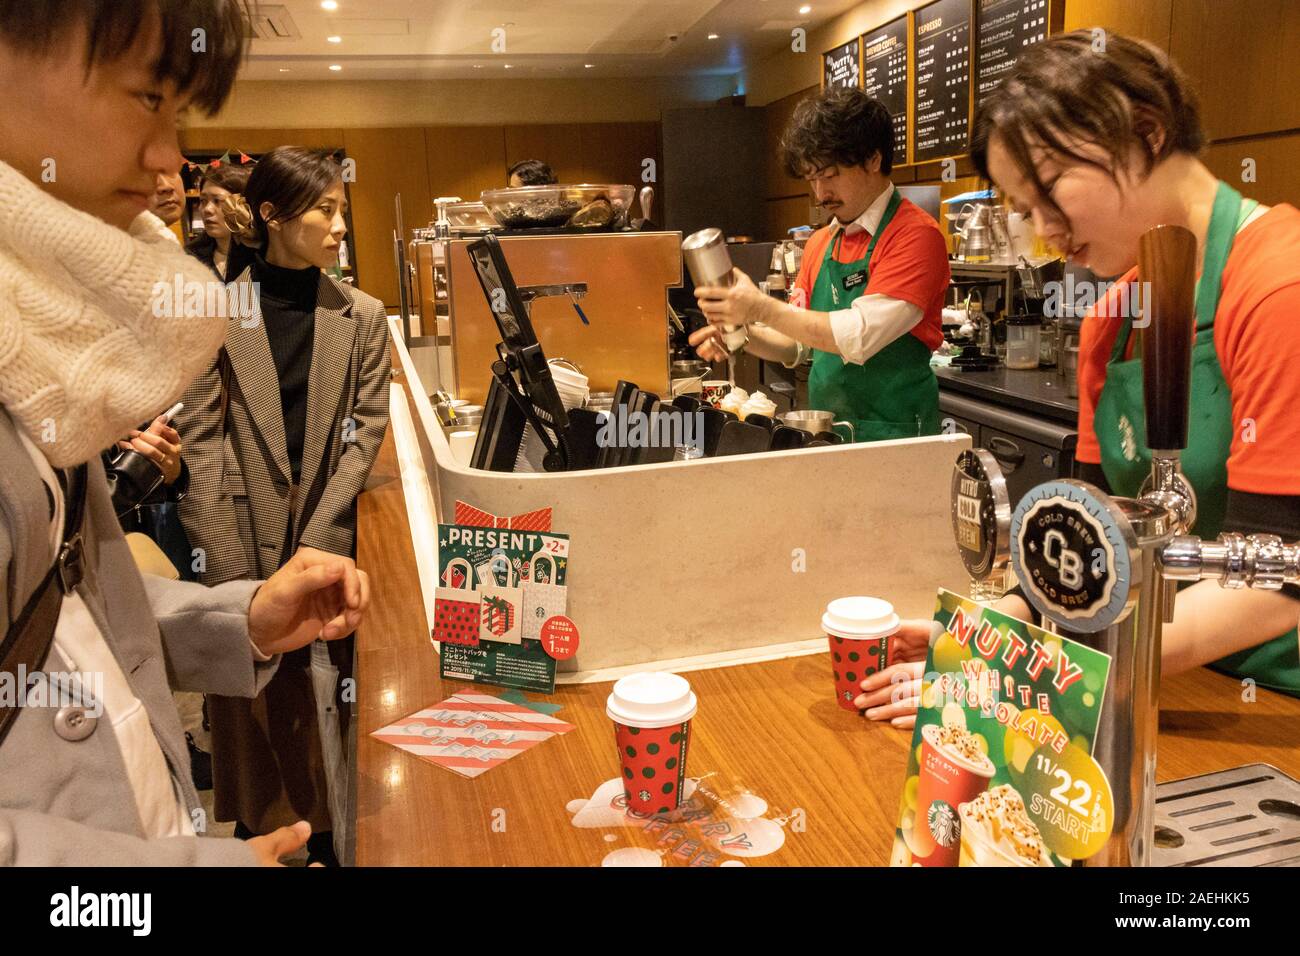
[
  {"x": 291, "y": 179},
  {"x": 532, "y": 172},
  {"x": 1099, "y": 89},
  {"x": 112, "y": 27},
  {"x": 838, "y": 127}
]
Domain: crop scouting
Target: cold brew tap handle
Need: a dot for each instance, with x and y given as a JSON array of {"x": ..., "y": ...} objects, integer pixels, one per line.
[{"x": 1167, "y": 268}]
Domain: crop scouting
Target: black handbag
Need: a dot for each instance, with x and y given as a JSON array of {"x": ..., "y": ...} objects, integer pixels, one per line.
[{"x": 27, "y": 642}]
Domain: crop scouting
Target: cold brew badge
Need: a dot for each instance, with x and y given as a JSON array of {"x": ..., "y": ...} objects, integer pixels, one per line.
[
  {"x": 981, "y": 517},
  {"x": 1074, "y": 553}
]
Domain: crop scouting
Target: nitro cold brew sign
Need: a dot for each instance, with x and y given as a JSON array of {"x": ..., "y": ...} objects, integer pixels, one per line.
[{"x": 1071, "y": 556}]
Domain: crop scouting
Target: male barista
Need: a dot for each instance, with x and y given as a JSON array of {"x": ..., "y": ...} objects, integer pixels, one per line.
[{"x": 873, "y": 282}]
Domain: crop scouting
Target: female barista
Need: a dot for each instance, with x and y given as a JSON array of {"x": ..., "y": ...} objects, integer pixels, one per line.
[
  {"x": 1100, "y": 148},
  {"x": 873, "y": 281}
]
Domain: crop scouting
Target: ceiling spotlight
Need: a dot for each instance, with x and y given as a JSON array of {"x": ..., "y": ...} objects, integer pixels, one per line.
[
  {"x": 589, "y": 66},
  {"x": 713, "y": 36},
  {"x": 509, "y": 67},
  {"x": 805, "y": 9},
  {"x": 334, "y": 39},
  {"x": 335, "y": 67},
  {"x": 478, "y": 66},
  {"x": 329, "y": 4},
  {"x": 284, "y": 69}
]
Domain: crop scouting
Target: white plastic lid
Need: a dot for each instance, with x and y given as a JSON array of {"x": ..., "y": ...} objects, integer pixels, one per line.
[
  {"x": 859, "y": 618},
  {"x": 564, "y": 375},
  {"x": 651, "y": 699}
]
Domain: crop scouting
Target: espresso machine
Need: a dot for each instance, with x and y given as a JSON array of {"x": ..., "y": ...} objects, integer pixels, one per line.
[{"x": 1104, "y": 570}]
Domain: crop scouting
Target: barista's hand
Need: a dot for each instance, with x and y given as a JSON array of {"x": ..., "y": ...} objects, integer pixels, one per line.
[
  {"x": 315, "y": 594},
  {"x": 894, "y": 693},
  {"x": 161, "y": 444},
  {"x": 740, "y": 304},
  {"x": 708, "y": 344}
]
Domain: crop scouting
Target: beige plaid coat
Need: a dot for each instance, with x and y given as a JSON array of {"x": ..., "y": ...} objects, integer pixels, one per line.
[{"x": 239, "y": 509}]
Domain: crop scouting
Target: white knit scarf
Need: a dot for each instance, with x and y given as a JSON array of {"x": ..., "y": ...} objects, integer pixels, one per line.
[{"x": 86, "y": 351}]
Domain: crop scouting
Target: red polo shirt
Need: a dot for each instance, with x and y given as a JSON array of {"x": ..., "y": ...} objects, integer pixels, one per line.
[{"x": 910, "y": 262}]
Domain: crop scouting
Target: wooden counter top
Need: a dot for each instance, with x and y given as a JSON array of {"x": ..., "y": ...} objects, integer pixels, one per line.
[{"x": 771, "y": 728}]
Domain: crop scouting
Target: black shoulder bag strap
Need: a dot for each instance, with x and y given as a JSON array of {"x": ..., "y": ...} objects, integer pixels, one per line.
[{"x": 27, "y": 642}]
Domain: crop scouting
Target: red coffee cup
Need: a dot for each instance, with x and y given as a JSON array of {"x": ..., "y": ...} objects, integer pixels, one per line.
[
  {"x": 652, "y": 726},
  {"x": 858, "y": 629},
  {"x": 948, "y": 778}
]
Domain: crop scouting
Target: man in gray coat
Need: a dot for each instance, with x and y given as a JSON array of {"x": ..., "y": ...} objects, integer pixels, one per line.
[{"x": 93, "y": 767}]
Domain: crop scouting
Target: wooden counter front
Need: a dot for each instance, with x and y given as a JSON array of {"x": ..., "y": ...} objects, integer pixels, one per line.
[{"x": 772, "y": 727}]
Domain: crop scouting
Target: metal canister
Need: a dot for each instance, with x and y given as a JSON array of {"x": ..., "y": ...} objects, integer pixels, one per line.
[{"x": 707, "y": 257}]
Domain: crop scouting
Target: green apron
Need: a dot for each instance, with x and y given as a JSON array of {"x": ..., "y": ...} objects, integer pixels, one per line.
[
  {"x": 894, "y": 394},
  {"x": 1120, "y": 424}
]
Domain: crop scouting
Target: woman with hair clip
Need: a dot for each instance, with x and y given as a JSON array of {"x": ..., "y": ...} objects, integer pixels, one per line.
[
  {"x": 1100, "y": 147},
  {"x": 212, "y": 246},
  {"x": 283, "y": 428}
]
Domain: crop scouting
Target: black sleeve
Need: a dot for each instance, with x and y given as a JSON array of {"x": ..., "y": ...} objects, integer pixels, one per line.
[
  {"x": 1250, "y": 513},
  {"x": 1087, "y": 471}
]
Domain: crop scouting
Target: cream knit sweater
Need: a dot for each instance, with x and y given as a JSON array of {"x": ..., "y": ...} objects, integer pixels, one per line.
[{"x": 84, "y": 354}]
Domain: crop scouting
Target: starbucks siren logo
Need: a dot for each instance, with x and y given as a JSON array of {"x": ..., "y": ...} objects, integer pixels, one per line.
[{"x": 941, "y": 818}]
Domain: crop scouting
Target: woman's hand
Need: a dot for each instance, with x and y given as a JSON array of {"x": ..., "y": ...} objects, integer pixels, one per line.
[
  {"x": 161, "y": 444},
  {"x": 738, "y": 304},
  {"x": 894, "y": 693},
  {"x": 316, "y": 594}
]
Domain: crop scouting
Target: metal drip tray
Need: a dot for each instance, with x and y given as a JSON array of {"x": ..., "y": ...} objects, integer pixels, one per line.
[{"x": 1247, "y": 816}]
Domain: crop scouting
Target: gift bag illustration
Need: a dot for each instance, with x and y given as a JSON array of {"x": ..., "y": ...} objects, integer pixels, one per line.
[
  {"x": 494, "y": 572},
  {"x": 543, "y": 598},
  {"x": 456, "y": 620},
  {"x": 458, "y": 574},
  {"x": 499, "y": 614}
]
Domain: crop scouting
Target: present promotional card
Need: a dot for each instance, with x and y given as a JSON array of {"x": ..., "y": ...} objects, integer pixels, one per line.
[
  {"x": 500, "y": 580},
  {"x": 1001, "y": 771}
]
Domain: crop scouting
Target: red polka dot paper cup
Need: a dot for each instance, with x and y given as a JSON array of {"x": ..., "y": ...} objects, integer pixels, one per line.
[
  {"x": 652, "y": 726},
  {"x": 858, "y": 630}
]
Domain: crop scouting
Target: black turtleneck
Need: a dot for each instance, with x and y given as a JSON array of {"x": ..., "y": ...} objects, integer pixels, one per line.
[{"x": 288, "y": 299}]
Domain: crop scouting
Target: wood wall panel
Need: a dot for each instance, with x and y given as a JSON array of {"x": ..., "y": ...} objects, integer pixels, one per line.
[
  {"x": 389, "y": 161},
  {"x": 1277, "y": 167},
  {"x": 464, "y": 160},
  {"x": 1148, "y": 19},
  {"x": 259, "y": 140},
  {"x": 1241, "y": 58},
  {"x": 559, "y": 145},
  {"x": 775, "y": 182}
]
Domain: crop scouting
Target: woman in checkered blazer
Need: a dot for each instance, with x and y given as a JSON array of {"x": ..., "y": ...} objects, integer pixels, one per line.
[{"x": 282, "y": 431}]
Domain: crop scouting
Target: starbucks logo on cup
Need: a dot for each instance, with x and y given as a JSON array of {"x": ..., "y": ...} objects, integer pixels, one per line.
[{"x": 945, "y": 827}]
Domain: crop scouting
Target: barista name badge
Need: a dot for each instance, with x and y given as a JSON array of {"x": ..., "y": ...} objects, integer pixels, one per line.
[{"x": 1073, "y": 554}]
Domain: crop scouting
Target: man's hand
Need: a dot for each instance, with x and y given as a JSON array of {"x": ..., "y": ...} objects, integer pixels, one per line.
[
  {"x": 894, "y": 693},
  {"x": 279, "y": 843},
  {"x": 316, "y": 594},
  {"x": 708, "y": 344},
  {"x": 161, "y": 444},
  {"x": 738, "y": 304}
]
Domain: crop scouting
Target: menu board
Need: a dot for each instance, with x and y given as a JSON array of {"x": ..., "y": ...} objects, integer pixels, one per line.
[
  {"x": 842, "y": 66},
  {"x": 884, "y": 76},
  {"x": 942, "y": 79},
  {"x": 1006, "y": 28}
]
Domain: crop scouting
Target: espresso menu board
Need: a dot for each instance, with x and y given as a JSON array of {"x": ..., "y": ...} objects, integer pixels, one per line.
[
  {"x": 942, "y": 79},
  {"x": 1006, "y": 29},
  {"x": 841, "y": 66},
  {"x": 884, "y": 76}
]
